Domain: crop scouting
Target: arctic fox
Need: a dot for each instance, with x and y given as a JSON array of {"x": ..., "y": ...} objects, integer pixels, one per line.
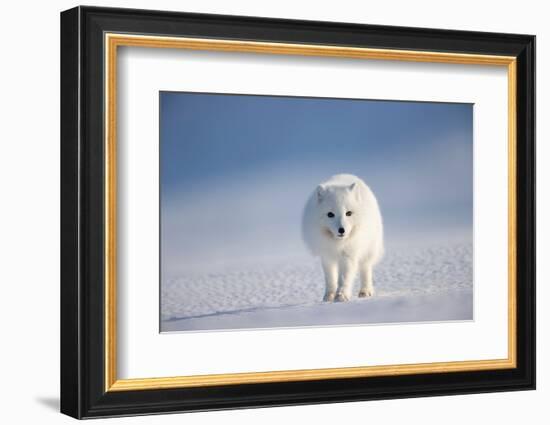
[{"x": 342, "y": 225}]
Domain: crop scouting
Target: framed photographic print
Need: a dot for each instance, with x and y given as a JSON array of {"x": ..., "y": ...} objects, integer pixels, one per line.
[{"x": 261, "y": 212}]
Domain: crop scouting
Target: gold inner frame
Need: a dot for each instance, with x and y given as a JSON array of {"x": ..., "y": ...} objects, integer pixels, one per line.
[{"x": 113, "y": 41}]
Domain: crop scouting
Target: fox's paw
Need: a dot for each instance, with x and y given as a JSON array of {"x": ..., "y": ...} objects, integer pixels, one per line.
[
  {"x": 365, "y": 293},
  {"x": 341, "y": 297},
  {"x": 329, "y": 297}
]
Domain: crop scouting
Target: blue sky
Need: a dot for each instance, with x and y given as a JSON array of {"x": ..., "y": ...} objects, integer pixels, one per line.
[{"x": 238, "y": 168}]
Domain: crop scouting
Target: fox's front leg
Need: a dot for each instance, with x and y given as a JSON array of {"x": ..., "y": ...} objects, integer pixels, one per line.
[
  {"x": 347, "y": 269},
  {"x": 365, "y": 275},
  {"x": 330, "y": 268}
]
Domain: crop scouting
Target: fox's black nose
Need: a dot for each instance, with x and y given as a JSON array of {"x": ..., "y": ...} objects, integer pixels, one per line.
[{"x": 341, "y": 230}]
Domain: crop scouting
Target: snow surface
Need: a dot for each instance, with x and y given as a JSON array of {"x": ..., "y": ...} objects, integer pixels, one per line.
[{"x": 415, "y": 282}]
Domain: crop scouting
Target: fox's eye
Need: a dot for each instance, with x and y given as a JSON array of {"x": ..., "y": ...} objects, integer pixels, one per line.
[
  {"x": 330, "y": 214},
  {"x": 349, "y": 213}
]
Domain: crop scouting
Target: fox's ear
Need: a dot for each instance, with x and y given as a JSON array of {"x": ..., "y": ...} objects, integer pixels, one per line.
[
  {"x": 352, "y": 188},
  {"x": 320, "y": 192}
]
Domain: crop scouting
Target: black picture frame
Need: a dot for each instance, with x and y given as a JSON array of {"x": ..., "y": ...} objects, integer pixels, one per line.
[{"x": 83, "y": 392}]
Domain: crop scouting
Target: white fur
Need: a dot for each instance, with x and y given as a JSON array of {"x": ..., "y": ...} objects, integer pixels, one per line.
[{"x": 359, "y": 248}]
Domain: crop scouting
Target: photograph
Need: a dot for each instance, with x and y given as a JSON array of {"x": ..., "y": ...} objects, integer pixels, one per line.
[
  {"x": 288, "y": 209},
  {"x": 289, "y": 212}
]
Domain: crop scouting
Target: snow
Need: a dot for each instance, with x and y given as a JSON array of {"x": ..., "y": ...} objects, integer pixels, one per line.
[{"x": 420, "y": 281}]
